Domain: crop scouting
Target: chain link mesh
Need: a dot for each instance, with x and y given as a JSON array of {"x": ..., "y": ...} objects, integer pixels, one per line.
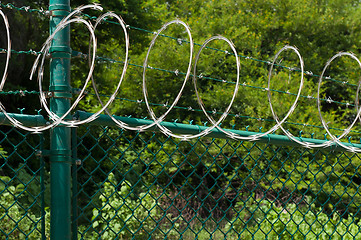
[
  {"x": 147, "y": 186},
  {"x": 22, "y": 186},
  {"x": 131, "y": 185}
]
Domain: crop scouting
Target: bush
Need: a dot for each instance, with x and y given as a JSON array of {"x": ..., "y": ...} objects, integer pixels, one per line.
[
  {"x": 122, "y": 214},
  {"x": 17, "y": 221},
  {"x": 264, "y": 220}
]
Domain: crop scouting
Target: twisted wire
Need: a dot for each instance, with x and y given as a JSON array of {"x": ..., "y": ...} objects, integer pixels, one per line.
[
  {"x": 25, "y": 9},
  {"x": 213, "y": 112},
  {"x": 244, "y": 84},
  {"x": 267, "y": 62},
  {"x": 73, "y": 17}
]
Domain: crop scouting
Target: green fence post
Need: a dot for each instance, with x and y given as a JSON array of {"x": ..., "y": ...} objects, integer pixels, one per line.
[{"x": 60, "y": 137}]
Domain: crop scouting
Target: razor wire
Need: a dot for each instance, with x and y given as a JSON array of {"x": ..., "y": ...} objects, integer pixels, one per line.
[
  {"x": 179, "y": 40},
  {"x": 73, "y": 17}
]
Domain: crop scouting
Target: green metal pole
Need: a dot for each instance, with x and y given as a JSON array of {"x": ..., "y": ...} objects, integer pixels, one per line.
[{"x": 60, "y": 138}]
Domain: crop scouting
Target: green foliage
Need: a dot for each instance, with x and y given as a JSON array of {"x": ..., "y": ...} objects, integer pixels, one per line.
[
  {"x": 122, "y": 214},
  {"x": 3, "y": 153},
  {"x": 296, "y": 222},
  {"x": 18, "y": 222}
]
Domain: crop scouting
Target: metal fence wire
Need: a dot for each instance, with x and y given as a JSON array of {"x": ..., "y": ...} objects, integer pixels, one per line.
[
  {"x": 148, "y": 186},
  {"x": 144, "y": 185},
  {"x": 22, "y": 185}
]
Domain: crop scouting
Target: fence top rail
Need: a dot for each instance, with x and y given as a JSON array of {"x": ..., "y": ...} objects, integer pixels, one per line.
[
  {"x": 179, "y": 128},
  {"x": 25, "y": 119}
]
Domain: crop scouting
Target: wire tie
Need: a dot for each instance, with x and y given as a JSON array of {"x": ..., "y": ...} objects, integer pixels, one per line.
[
  {"x": 344, "y": 82},
  {"x": 42, "y": 10},
  {"x": 237, "y": 115},
  {"x": 328, "y": 77},
  {"x": 309, "y": 73},
  {"x": 21, "y": 110},
  {"x": 190, "y": 108},
  {"x": 205, "y": 124},
  {"x": 214, "y": 111},
  {"x": 200, "y": 75},
  {"x": 329, "y": 100},
  {"x": 190, "y": 122},
  {"x": 224, "y": 81},
  {"x": 244, "y": 84},
  {"x": 21, "y": 93},
  {"x": 38, "y": 111},
  {"x": 139, "y": 101},
  {"x": 180, "y": 41},
  {"x": 247, "y": 128},
  {"x": 226, "y": 52},
  {"x": 176, "y": 72},
  {"x": 27, "y": 8},
  {"x": 31, "y": 51},
  {"x": 260, "y": 129}
]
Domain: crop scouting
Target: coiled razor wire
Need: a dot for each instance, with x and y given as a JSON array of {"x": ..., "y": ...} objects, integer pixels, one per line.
[{"x": 73, "y": 17}]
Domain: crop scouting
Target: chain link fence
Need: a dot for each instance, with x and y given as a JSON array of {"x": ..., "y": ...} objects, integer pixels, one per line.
[
  {"x": 148, "y": 186},
  {"x": 132, "y": 185},
  {"x": 23, "y": 181}
]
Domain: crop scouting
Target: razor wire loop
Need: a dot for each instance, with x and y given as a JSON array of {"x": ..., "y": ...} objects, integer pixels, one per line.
[
  {"x": 44, "y": 51},
  {"x": 336, "y": 139},
  {"x": 66, "y": 21},
  {"x": 278, "y": 125},
  {"x": 200, "y": 102},
  {"x": 8, "y": 54},
  {"x": 57, "y": 120},
  {"x": 156, "y": 120},
  {"x": 293, "y": 107},
  {"x": 125, "y": 66}
]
